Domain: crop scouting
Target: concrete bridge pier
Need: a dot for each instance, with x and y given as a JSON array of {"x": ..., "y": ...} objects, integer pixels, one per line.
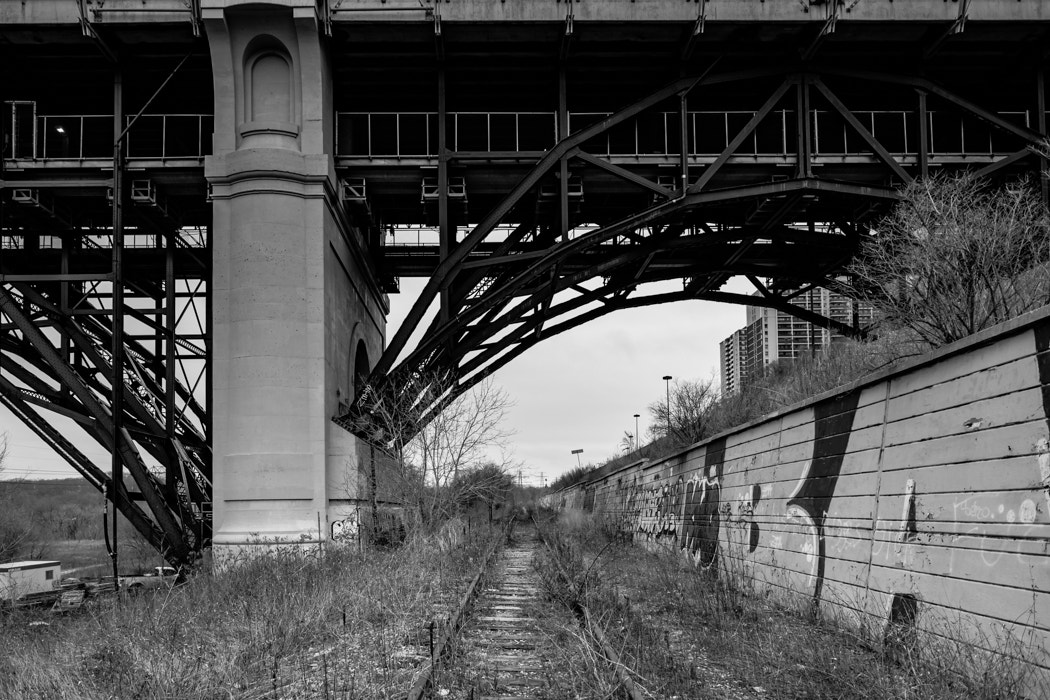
[{"x": 296, "y": 306}]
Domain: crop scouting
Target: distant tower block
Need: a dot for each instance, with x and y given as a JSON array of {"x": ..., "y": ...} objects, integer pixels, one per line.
[{"x": 297, "y": 310}]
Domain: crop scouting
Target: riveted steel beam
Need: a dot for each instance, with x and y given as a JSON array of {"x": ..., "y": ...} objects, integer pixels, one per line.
[
  {"x": 869, "y": 139},
  {"x": 448, "y": 266}
]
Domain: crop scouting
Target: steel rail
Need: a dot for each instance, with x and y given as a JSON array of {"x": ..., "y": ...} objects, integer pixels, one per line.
[
  {"x": 584, "y": 617},
  {"x": 425, "y": 676}
]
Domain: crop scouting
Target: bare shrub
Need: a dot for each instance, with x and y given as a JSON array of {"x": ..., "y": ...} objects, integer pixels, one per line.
[
  {"x": 956, "y": 256},
  {"x": 685, "y": 420},
  {"x": 436, "y": 440}
]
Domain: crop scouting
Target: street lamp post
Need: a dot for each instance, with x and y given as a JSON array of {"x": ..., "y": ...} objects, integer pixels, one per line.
[
  {"x": 667, "y": 415},
  {"x": 577, "y": 453},
  {"x": 636, "y": 432}
]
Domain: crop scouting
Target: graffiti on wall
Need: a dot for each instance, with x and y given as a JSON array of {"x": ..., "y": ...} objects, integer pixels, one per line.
[
  {"x": 700, "y": 516},
  {"x": 695, "y": 512},
  {"x": 659, "y": 512},
  {"x": 630, "y": 508},
  {"x": 588, "y": 499},
  {"x": 932, "y": 512},
  {"x": 742, "y": 516},
  {"x": 809, "y": 502},
  {"x": 1042, "y": 349}
]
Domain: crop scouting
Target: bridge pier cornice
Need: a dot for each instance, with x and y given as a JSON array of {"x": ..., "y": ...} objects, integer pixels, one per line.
[{"x": 290, "y": 288}]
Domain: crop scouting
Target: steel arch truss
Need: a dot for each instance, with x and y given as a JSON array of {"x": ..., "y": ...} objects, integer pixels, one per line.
[
  {"x": 56, "y": 373},
  {"x": 512, "y": 282}
]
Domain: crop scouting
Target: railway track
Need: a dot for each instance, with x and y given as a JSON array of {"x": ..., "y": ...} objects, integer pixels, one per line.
[
  {"x": 501, "y": 652},
  {"x": 502, "y": 646}
]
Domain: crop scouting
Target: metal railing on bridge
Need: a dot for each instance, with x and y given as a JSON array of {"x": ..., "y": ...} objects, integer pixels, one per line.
[
  {"x": 186, "y": 237},
  {"x": 35, "y": 136},
  {"x": 365, "y": 135}
]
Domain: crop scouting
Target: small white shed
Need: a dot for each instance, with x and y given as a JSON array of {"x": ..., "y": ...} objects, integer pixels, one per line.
[{"x": 19, "y": 578}]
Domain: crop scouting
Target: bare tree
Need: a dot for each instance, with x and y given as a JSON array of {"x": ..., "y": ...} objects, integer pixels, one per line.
[
  {"x": 686, "y": 420},
  {"x": 433, "y": 440},
  {"x": 627, "y": 442},
  {"x": 489, "y": 484},
  {"x": 956, "y": 256},
  {"x": 469, "y": 431}
]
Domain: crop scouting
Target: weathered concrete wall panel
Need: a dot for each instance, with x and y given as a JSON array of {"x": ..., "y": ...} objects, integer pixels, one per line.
[{"x": 931, "y": 482}]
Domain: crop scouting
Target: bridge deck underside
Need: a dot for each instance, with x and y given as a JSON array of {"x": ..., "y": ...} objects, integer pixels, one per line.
[
  {"x": 790, "y": 145},
  {"x": 455, "y": 142}
]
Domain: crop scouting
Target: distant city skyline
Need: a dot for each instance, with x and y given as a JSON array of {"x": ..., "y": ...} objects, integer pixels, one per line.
[{"x": 771, "y": 335}]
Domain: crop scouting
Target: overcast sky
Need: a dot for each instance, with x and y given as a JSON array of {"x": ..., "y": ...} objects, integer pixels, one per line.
[
  {"x": 581, "y": 389},
  {"x": 577, "y": 390}
]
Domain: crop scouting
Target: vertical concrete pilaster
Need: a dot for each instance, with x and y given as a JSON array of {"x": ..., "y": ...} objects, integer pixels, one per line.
[{"x": 292, "y": 297}]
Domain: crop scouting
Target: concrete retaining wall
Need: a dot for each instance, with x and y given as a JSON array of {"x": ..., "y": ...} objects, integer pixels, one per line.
[{"x": 920, "y": 496}]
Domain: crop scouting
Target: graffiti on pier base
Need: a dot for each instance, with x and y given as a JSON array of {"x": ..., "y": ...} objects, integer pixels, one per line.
[{"x": 347, "y": 529}]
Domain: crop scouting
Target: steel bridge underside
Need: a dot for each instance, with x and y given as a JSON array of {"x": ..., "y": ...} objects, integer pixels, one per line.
[
  {"x": 766, "y": 153},
  {"x": 617, "y": 149}
]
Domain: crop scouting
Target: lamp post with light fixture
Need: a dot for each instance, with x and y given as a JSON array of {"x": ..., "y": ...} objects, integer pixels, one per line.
[{"x": 667, "y": 415}]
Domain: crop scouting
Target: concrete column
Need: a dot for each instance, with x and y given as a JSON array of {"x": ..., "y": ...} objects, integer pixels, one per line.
[{"x": 293, "y": 297}]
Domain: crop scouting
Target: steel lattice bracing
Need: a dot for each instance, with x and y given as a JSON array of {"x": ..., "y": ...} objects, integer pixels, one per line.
[
  {"x": 57, "y": 336},
  {"x": 519, "y": 276},
  {"x": 89, "y": 275}
]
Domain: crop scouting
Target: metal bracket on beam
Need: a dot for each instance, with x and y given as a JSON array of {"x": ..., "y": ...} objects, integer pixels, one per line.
[
  {"x": 42, "y": 201},
  {"x": 698, "y": 29},
  {"x": 144, "y": 193},
  {"x": 566, "y": 39},
  {"x": 88, "y": 30},
  {"x": 439, "y": 39},
  {"x": 828, "y": 28},
  {"x": 195, "y": 18},
  {"x": 957, "y": 27},
  {"x": 324, "y": 10}
]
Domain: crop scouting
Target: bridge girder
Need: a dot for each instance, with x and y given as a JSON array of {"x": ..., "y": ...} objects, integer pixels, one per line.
[
  {"x": 57, "y": 307},
  {"x": 500, "y": 295}
]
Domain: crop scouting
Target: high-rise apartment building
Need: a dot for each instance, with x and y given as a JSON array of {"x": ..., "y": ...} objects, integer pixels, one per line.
[{"x": 772, "y": 335}]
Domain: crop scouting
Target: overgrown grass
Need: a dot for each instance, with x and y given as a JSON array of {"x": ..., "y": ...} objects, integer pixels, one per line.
[
  {"x": 573, "y": 568},
  {"x": 346, "y": 625},
  {"x": 689, "y": 634}
]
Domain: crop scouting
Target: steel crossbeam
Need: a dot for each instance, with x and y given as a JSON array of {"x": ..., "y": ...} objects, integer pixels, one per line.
[{"x": 524, "y": 280}]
